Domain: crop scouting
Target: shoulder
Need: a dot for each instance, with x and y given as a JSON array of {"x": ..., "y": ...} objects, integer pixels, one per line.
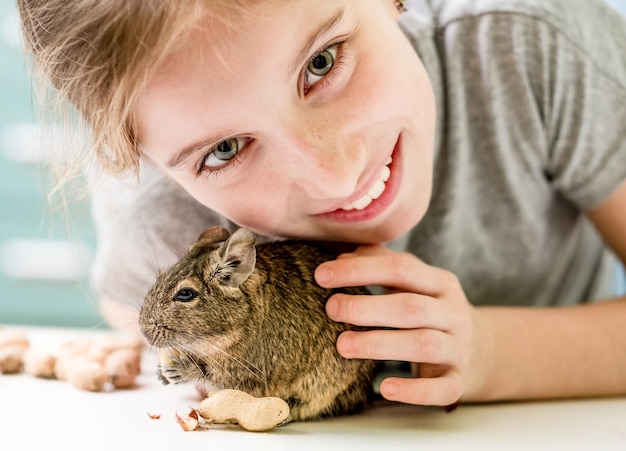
[
  {"x": 592, "y": 25},
  {"x": 588, "y": 30},
  {"x": 150, "y": 211},
  {"x": 142, "y": 225},
  {"x": 566, "y": 14}
]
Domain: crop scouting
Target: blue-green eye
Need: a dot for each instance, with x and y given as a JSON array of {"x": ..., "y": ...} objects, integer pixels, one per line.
[
  {"x": 185, "y": 295},
  {"x": 320, "y": 65},
  {"x": 224, "y": 151}
]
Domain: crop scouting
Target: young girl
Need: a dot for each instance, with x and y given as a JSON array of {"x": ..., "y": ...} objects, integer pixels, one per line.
[{"x": 476, "y": 150}]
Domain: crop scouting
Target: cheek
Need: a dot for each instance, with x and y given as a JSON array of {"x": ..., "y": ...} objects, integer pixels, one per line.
[
  {"x": 255, "y": 205},
  {"x": 371, "y": 91},
  {"x": 392, "y": 88}
]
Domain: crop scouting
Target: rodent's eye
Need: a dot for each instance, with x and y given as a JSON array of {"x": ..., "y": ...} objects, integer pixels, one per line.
[{"x": 185, "y": 294}]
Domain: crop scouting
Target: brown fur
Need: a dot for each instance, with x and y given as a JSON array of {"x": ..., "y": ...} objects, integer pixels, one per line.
[{"x": 257, "y": 324}]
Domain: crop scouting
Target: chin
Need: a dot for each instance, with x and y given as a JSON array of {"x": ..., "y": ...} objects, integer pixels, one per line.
[
  {"x": 386, "y": 234},
  {"x": 400, "y": 223},
  {"x": 390, "y": 230}
]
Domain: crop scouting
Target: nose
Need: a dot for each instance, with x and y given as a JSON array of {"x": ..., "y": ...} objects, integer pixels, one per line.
[{"x": 327, "y": 159}]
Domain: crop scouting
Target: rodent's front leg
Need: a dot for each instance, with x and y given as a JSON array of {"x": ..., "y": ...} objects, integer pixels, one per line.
[
  {"x": 170, "y": 374},
  {"x": 171, "y": 369},
  {"x": 175, "y": 368}
]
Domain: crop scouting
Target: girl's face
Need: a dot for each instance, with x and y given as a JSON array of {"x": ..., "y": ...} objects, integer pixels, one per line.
[{"x": 298, "y": 121}]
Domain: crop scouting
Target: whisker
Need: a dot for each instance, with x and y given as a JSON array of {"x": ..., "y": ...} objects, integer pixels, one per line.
[{"x": 249, "y": 366}]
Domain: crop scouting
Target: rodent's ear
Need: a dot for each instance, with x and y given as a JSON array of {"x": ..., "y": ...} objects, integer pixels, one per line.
[
  {"x": 238, "y": 257},
  {"x": 213, "y": 235}
]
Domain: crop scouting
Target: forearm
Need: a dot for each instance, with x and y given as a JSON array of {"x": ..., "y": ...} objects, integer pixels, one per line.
[{"x": 535, "y": 353}]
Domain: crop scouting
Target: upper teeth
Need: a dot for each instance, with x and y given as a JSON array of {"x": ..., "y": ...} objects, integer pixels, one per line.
[{"x": 374, "y": 193}]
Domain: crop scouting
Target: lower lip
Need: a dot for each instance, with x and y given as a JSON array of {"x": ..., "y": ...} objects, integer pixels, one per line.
[{"x": 378, "y": 205}]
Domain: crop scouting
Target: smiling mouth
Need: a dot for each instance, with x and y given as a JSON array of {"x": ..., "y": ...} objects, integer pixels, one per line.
[{"x": 377, "y": 189}]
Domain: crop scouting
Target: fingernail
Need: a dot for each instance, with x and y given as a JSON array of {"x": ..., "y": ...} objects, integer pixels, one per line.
[
  {"x": 389, "y": 389},
  {"x": 344, "y": 345},
  {"x": 323, "y": 274},
  {"x": 332, "y": 309}
]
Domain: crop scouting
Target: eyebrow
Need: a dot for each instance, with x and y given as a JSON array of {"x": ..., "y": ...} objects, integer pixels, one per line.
[
  {"x": 327, "y": 27},
  {"x": 313, "y": 41}
]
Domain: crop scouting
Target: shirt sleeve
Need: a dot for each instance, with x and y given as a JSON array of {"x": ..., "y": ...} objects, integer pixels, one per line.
[
  {"x": 142, "y": 227},
  {"x": 583, "y": 68}
]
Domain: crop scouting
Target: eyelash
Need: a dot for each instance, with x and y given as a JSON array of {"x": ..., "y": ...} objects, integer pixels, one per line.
[
  {"x": 326, "y": 80},
  {"x": 338, "y": 65},
  {"x": 230, "y": 164}
]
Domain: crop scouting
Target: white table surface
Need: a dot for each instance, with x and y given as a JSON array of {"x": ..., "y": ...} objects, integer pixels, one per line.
[{"x": 38, "y": 413}]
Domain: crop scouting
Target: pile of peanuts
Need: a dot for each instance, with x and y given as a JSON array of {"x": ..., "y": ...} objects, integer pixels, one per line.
[
  {"x": 114, "y": 362},
  {"x": 86, "y": 364}
]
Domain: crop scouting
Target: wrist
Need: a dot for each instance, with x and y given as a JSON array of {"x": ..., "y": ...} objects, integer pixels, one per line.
[{"x": 479, "y": 383}]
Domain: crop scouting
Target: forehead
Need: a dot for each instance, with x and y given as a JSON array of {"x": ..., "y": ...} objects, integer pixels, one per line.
[
  {"x": 223, "y": 59},
  {"x": 193, "y": 27},
  {"x": 219, "y": 26},
  {"x": 224, "y": 29},
  {"x": 222, "y": 18}
]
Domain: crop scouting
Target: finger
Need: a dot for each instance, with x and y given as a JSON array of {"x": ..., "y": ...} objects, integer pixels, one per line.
[
  {"x": 417, "y": 345},
  {"x": 439, "y": 391},
  {"x": 366, "y": 249},
  {"x": 399, "y": 270},
  {"x": 397, "y": 310},
  {"x": 372, "y": 249}
]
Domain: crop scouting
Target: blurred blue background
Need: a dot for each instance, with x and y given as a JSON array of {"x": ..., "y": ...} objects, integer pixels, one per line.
[
  {"x": 44, "y": 256},
  {"x": 618, "y": 4},
  {"x": 44, "y": 260}
]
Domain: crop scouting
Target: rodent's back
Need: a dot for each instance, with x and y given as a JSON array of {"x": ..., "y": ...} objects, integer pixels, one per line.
[
  {"x": 286, "y": 272},
  {"x": 300, "y": 338},
  {"x": 292, "y": 262}
]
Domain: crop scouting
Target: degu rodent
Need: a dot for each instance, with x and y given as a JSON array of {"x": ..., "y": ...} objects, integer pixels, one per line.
[{"x": 233, "y": 314}]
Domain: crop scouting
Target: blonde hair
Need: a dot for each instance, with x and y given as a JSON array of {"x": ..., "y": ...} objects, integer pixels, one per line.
[{"x": 99, "y": 54}]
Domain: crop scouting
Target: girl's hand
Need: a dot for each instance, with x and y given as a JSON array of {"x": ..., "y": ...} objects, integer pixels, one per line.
[{"x": 433, "y": 323}]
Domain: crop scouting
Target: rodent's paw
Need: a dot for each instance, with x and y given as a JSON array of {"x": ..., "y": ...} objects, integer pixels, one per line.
[
  {"x": 170, "y": 374},
  {"x": 161, "y": 377}
]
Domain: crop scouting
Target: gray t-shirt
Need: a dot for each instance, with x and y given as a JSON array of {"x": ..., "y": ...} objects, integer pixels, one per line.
[{"x": 531, "y": 134}]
